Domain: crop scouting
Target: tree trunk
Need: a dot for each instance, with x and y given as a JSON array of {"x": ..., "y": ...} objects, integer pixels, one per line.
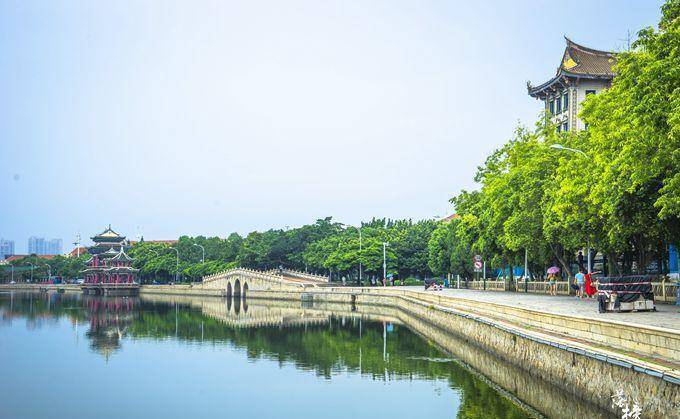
[
  {"x": 612, "y": 261},
  {"x": 558, "y": 251}
]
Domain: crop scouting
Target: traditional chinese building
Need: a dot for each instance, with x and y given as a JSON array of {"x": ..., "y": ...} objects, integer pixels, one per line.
[
  {"x": 582, "y": 72},
  {"x": 109, "y": 264}
]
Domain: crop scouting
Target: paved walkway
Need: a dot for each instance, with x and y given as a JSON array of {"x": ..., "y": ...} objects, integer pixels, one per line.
[{"x": 667, "y": 316}]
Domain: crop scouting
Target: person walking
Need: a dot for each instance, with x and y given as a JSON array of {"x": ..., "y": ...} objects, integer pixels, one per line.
[
  {"x": 580, "y": 281},
  {"x": 590, "y": 288},
  {"x": 580, "y": 261},
  {"x": 552, "y": 284}
]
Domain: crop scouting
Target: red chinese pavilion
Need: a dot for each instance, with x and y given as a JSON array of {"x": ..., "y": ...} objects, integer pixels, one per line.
[{"x": 112, "y": 266}]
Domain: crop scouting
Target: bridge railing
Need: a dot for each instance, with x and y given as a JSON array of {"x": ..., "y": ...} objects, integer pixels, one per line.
[
  {"x": 252, "y": 273},
  {"x": 305, "y": 275}
]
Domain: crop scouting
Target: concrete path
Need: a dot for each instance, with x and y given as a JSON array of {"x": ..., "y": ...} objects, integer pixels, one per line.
[{"x": 667, "y": 316}]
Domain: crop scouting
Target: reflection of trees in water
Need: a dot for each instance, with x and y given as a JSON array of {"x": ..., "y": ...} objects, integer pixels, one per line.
[
  {"x": 333, "y": 347},
  {"x": 40, "y": 307},
  {"x": 340, "y": 344}
]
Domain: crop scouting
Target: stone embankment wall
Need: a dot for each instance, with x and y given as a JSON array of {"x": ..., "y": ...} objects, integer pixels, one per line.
[{"x": 590, "y": 372}]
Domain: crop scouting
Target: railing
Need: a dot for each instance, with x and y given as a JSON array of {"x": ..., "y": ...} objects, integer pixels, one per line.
[
  {"x": 110, "y": 284},
  {"x": 664, "y": 291},
  {"x": 305, "y": 275},
  {"x": 252, "y": 273},
  {"x": 479, "y": 285}
]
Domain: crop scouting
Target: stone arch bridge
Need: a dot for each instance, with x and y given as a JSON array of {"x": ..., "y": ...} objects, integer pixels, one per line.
[{"x": 237, "y": 282}]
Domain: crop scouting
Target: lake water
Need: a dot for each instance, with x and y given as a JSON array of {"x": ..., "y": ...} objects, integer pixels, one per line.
[{"x": 73, "y": 356}]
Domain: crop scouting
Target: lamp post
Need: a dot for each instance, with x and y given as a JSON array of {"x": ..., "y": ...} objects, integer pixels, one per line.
[
  {"x": 203, "y": 254},
  {"x": 573, "y": 150},
  {"x": 177, "y": 265},
  {"x": 49, "y": 271},
  {"x": 583, "y": 153},
  {"x": 32, "y": 266},
  {"x": 360, "y": 281},
  {"x": 385, "y": 244}
]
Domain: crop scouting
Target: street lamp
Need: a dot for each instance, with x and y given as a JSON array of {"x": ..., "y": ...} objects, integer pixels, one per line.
[
  {"x": 574, "y": 150},
  {"x": 49, "y": 271},
  {"x": 360, "y": 281},
  {"x": 32, "y": 266},
  {"x": 360, "y": 248},
  {"x": 385, "y": 244},
  {"x": 203, "y": 249},
  {"x": 177, "y": 266}
]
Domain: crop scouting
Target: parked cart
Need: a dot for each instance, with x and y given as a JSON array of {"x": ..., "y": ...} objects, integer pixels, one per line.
[{"x": 625, "y": 293}]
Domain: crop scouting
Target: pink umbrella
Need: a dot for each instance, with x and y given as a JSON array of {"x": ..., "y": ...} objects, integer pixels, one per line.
[{"x": 553, "y": 270}]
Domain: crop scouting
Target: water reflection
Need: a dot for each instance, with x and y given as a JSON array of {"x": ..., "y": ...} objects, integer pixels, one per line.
[{"x": 330, "y": 340}]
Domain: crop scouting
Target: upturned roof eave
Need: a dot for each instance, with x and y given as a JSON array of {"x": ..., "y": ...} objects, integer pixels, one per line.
[{"x": 540, "y": 90}]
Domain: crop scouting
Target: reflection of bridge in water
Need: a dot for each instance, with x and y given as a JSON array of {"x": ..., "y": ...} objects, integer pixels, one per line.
[{"x": 238, "y": 311}]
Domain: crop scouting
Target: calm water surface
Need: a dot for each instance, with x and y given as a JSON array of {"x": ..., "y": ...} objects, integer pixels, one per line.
[{"x": 72, "y": 356}]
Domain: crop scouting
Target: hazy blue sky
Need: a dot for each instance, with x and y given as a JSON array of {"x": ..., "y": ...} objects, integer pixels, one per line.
[{"x": 207, "y": 117}]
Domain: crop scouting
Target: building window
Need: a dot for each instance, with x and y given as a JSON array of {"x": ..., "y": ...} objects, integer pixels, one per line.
[
  {"x": 565, "y": 127},
  {"x": 559, "y": 105},
  {"x": 565, "y": 101},
  {"x": 590, "y": 92},
  {"x": 552, "y": 107}
]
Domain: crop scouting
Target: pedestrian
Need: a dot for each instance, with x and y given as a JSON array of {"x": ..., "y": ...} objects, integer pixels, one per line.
[
  {"x": 590, "y": 287},
  {"x": 344, "y": 281},
  {"x": 552, "y": 284},
  {"x": 580, "y": 281},
  {"x": 580, "y": 261}
]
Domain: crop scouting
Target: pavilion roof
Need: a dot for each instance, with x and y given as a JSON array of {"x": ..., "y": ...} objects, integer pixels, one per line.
[
  {"x": 122, "y": 256},
  {"x": 108, "y": 235}
]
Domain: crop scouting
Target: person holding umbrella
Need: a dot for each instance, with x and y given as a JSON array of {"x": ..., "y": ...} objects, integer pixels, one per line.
[{"x": 552, "y": 279}]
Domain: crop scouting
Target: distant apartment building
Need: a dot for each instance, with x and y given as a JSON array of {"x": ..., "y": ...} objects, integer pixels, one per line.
[
  {"x": 6, "y": 248},
  {"x": 55, "y": 247},
  {"x": 583, "y": 71},
  {"x": 40, "y": 246}
]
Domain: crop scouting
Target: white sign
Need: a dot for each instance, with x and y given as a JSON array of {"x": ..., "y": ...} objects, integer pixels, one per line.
[{"x": 478, "y": 266}]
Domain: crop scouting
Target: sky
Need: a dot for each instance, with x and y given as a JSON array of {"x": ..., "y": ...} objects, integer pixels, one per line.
[{"x": 165, "y": 118}]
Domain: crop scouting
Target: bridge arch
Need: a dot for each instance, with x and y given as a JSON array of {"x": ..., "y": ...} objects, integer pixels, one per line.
[
  {"x": 237, "y": 304},
  {"x": 245, "y": 295},
  {"x": 237, "y": 289},
  {"x": 229, "y": 291}
]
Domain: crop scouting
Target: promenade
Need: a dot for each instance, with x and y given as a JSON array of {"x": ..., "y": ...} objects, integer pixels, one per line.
[{"x": 667, "y": 316}]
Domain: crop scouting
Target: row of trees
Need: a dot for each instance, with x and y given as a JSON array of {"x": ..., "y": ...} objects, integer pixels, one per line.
[
  {"x": 622, "y": 197},
  {"x": 38, "y": 268},
  {"x": 325, "y": 247}
]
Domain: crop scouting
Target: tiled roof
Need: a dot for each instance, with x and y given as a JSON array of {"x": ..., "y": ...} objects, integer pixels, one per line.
[
  {"x": 122, "y": 256},
  {"x": 108, "y": 234},
  {"x": 134, "y": 242},
  {"x": 578, "y": 59},
  {"x": 17, "y": 257},
  {"x": 74, "y": 252},
  {"x": 577, "y": 62},
  {"x": 448, "y": 219}
]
